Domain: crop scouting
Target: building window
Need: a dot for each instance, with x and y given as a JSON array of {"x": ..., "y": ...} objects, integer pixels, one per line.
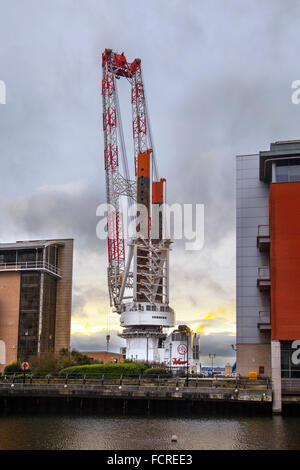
[
  {"x": 178, "y": 337},
  {"x": 29, "y": 315},
  {"x": 287, "y": 173},
  {"x": 47, "y": 338},
  {"x": 36, "y": 328},
  {"x": 8, "y": 257},
  {"x": 290, "y": 367},
  {"x": 27, "y": 256},
  {"x": 196, "y": 351}
]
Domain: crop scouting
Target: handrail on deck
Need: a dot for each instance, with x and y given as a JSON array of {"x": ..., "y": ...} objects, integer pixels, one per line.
[
  {"x": 236, "y": 383},
  {"x": 29, "y": 265}
]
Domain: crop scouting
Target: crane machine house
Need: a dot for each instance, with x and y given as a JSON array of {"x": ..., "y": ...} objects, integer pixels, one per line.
[{"x": 138, "y": 272}]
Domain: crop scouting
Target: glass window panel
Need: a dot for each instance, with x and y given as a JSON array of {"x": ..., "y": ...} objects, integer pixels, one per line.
[
  {"x": 27, "y": 255},
  {"x": 294, "y": 173},
  {"x": 282, "y": 175},
  {"x": 287, "y": 173},
  {"x": 29, "y": 315},
  {"x": 49, "y": 311},
  {"x": 8, "y": 257}
]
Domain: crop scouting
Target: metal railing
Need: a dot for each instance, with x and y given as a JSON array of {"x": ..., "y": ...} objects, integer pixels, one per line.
[
  {"x": 138, "y": 380},
  {"x": 263, "y": 273},
  {"x": 264, "y": 317},
  {"x": 263, "y": 231},
  {"x": 30, "y": 266},
  {"x": 290, "y": 386}
]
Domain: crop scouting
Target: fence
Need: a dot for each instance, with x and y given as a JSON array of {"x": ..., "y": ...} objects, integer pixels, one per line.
[
  {"x": 30, "y": 266},
  {"x": 290, "y": 386},
  {"x": 139, "y": 380}
]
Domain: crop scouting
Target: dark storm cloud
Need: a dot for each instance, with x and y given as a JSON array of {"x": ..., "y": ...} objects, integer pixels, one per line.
[
  {"x": 217, "y": 343},
  {"x": 62, "y": 211},
  {"x": 226, "y": 93},
  {"x": 97, "y": 342}
]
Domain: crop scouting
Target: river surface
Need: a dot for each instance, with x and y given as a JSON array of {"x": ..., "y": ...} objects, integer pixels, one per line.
[{"x": 153, "y": 433}]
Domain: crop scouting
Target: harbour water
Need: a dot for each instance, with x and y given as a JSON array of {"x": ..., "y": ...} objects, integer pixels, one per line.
[{"x": 94, "y": 432}]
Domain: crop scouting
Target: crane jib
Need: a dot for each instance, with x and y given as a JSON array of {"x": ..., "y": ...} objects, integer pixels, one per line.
[{"x": 115, "y": 66}]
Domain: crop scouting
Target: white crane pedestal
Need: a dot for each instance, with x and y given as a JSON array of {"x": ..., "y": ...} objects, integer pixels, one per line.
[{"x": 143, "y": 329}]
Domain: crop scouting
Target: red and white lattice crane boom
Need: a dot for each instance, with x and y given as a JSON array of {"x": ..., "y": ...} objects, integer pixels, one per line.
[{"x": 149, "y": 276}]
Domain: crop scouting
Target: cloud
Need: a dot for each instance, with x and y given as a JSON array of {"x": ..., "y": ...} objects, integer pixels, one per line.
[
  {"x": 217, "y": 343},
  {"x": 218, "y": 81},
  {"x": 97, "y": 341},
  {"x": 66, "y": 210}
]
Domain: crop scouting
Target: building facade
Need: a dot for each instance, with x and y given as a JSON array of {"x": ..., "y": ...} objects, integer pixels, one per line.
[
  {"x": 35, "y": 298},
  {"x": 268, "y": 262}
]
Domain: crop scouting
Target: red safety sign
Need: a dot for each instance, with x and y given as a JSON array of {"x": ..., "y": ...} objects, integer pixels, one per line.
[
  {"x": 25, "y": 365},
  {"x": 182, "y": 349}
]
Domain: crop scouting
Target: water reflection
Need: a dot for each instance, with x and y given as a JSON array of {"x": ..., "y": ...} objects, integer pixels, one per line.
[{"x": 121, "y": 433}]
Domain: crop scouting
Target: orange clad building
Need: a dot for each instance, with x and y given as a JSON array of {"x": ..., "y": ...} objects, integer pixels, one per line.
[
  {"x": 268, "y": 266},
  {"x": 285, "y": 260}
]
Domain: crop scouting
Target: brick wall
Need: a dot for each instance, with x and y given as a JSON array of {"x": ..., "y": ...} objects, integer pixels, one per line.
[
  {"x": 64, "y": 296},
  {"x": 104, "y": 356},
  {"x": 251, "y": 356},
  {"x": 9, "y": 316}
]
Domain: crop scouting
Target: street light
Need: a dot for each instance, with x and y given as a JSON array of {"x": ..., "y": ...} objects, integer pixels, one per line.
[
  {"x": 212, "y": 356},
  {"x": 187, "y": 356},
  {"x": 147, "y": 336},
  {"x": 107, "y": 342}
]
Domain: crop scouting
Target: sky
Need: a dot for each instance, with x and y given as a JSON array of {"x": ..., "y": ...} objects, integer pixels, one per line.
[{"x": 218, "y": 77}]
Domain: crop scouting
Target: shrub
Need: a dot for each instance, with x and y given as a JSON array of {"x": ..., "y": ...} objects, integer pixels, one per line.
[
  {"x": 52, "y": 363},
  {"x": 112, "y": 370},
  {"x": 81, "y": 359},
  {"x": 49, "y": 365},
  {"x": 13, "y": 367},
  {"x": 157, "y": 371}
]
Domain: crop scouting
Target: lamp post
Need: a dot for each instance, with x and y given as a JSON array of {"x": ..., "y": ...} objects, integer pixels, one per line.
[
  {"x": 107, "y": 342},
  {"x": 147, "y": 336},
  {"x": 212, "y": 356},
  {"x": 187, "y": 356}
]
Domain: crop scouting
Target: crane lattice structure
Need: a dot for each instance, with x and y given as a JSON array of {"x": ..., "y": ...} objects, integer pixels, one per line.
[{"x": 144, "y": 266}]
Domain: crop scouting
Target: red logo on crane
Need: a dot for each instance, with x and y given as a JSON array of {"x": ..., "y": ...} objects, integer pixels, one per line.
[{"x": 178, "y": 361}]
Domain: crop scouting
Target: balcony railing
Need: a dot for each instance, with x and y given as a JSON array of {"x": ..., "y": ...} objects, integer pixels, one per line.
[
  {"x": 263, "y": 230},
  {"x": 263, "y": 237},
  {"x": 264, "y": 272},
  {"x": 30, "y": 266},
  {"x": 263, "y": 277},
  {"x": 264, "y": 322}
]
